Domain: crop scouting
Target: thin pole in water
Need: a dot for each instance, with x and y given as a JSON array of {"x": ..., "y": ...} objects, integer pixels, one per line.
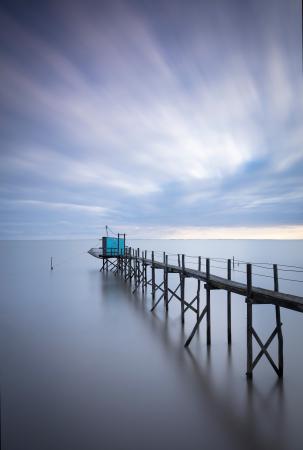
[{"x": 52, "y": 268}]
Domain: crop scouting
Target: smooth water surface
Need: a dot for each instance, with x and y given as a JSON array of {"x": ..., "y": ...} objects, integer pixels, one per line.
[{"x": 86, "y": 365}]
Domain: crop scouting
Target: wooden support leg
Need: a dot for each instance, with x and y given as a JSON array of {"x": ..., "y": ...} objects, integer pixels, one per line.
[
  {"x": 145, "y": 271},
  {"x": 117, "y": 265},
  {"x": 208, "y": 329},
  {"x": 136, "y": 270},
  {"x": 125, "y": 267},
  {"x": 130, "y": 268},
  {"x": 280, "y": 341},
  {"x": 249, "y": 364},
  {"x": 229, "y": 318},
  {"x": 249, "y": 327},
  {"x": 198, "y": 290},
  {"x": 278, "y": 324},
  {"x": 198, "y": 300},
  {"x": 153, "y": 278},
  {"x": 182, "y": 290},
  {"x": 166, "y": 291},
  {"x": 196, "y": 327},
  {"x": 229, "y": 304},
  {"x": 153, "y": 284},
  {"x": 208, "y": 334},
  {"x": 166, "y": 284},
  {"x": 133, "y": 270},
  {"x": 141, "y": 268}
]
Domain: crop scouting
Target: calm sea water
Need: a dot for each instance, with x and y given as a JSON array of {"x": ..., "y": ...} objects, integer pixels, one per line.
[{"x": 86, "y": 365}]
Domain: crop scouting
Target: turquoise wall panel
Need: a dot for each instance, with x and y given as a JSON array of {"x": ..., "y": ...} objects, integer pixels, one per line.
[{"x": 113, "y": 246}]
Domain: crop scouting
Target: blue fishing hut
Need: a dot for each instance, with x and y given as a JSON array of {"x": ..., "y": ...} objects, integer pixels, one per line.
[{"x": 113, "y": 246}]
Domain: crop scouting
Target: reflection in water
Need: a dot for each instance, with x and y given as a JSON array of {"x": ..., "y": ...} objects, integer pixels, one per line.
[
  {"x": 85, "y": 364},
  {"x": 242, "y": 426}
]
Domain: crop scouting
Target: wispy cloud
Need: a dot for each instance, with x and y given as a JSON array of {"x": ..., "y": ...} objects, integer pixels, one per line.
[
  {"x": 152, "y": 121},
  {"x": 65, "y": 206}
]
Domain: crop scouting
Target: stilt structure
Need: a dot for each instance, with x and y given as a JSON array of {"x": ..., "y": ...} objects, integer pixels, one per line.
[{"x": 141, "y": 270}]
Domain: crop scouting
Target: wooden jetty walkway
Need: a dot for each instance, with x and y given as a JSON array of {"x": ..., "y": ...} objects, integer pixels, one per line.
[{"x": 137, "y": 267}]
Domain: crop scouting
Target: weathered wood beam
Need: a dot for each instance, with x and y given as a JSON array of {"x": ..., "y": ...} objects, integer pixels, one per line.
[
  {"x": 196, "y": 327},
  {"x": 158, "y": 301}
]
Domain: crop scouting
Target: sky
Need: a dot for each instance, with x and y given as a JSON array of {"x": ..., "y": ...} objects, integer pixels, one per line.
[{"x": 173, "y": 119}]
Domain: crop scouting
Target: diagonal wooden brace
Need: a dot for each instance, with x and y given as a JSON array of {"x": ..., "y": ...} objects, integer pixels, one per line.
[
  {"x": 264, "y": 349},
  {"x": 158, "y": 301},
  {"x": 196, "y": 327}
]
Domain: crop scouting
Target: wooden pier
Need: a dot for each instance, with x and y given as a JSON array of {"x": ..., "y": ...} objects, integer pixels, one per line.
[{"x": 137, "y": 267}]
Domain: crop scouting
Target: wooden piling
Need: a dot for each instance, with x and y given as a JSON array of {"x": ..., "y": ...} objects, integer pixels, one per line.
[
  {"x": 166, "y": 283},
  {"x": 138, "y": 265},
  {"x": 182, "y": 288},
  {"x": 208, "y": 328},
  {"x": 145, "y": 270},
  {"x": 198, "y": 289},
  {"x": 142, "y": 273},
  {"x": 278, "y": 324},
  {"x": 136, "y": 268},
  {"x": 153, "y": 277},
  {"x": 229, "y": 304},
  {"x": 249, "y": 321},
  {"x": 129, "y": 263}
]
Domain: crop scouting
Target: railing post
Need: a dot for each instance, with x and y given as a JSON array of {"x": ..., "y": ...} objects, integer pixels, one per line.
[
  {"x": 229, "y": 304},
  {"x": 208, "y": 327},
  {"x": 278, "y": 323},
  {"x": 249, "y": 321}
]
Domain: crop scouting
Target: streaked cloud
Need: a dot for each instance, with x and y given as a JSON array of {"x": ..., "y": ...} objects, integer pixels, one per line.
[
  {"x": 66, "y": 206},
  {"x": 153, "y": 117}
]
